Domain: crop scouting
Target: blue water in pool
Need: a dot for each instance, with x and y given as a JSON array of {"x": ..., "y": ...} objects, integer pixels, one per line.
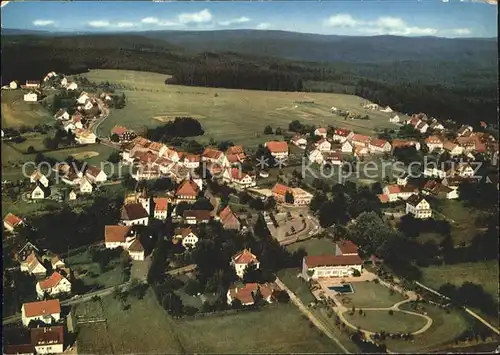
[{"x": 344, "y": 288}]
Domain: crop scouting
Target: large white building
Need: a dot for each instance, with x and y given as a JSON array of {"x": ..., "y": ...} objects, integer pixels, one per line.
[
  {"x": 321, "y": 266},
  {"x": 53, "y": 286},
  {"x": 124, "y": 237},
  {"x": 417, "y": 206},
  {"x": 48, "y": 311},
  {"x": 242, "y": 260}
]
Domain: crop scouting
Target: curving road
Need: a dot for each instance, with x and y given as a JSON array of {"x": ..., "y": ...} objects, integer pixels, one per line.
[{"x": 104, "y": 114}]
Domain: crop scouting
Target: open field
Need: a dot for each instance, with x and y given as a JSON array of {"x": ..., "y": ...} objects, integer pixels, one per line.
[
  {"x": 16, "y": 112},
  {"x": 445, "y": 328},
  {"x": 314, "y": 246},
  {"x": 369, "y": 294},
  {"x": 146, "y": 328},
  {"x": 14, "y": 154},
  {"x": 237, "y": 115},
  {"x": 376, "y": 321}
]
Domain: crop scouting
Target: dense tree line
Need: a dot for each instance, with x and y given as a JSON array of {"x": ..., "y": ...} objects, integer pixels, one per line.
[
  {"x": 31, "y": 57},
  {"x": 179, "y": 127}
]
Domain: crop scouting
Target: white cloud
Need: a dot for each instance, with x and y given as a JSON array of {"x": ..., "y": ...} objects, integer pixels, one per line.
[
  {"x": 125, "y": 24},
  {"x": 461, "y": 31},
  {"x": 43, "y": 23},
  {"x": 242, "y": 19},
  {"x": 263, "y": 26},
  {"x": 196, "y": 17},
  {"x": 341, "y": 20},
  {"x": 150, "y": 20},
  {"x": 382, "y": 25},
  {"x": 99, "y": 23}
]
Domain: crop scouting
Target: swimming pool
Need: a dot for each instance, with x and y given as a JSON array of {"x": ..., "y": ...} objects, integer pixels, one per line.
[{"x": 344, "y": 288}]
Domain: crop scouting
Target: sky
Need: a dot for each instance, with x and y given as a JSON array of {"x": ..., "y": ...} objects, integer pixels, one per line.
[{"x": 443, "y": 18}]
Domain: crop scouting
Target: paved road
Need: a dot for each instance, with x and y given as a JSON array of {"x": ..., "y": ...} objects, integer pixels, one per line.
[
  {"x": 309, "y": 315},
  {"x": 104, "y": 114}
]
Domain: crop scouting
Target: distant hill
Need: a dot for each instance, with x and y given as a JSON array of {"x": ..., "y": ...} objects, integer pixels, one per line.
[{"x": 331, "y": 48}]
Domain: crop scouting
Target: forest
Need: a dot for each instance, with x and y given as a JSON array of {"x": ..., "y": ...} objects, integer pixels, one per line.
[{"x": 462, "y": 92}]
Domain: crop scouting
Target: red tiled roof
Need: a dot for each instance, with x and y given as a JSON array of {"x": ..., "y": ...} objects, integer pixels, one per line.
[
  {"x": 119, "y": 130},
  {"x": 380, "y": 143},
  {"x": 93, "y": 170},
  {"x": 161, "y": 203},
  {"x": 433, "y": 140},
  {"x": 244, "y": 257},
  {"x": 188, "y": 188},
  {"x": 280, "y": 189},
  {"x": 183, "y": 231},
  {"x": 52, "y": 281},
  {"x": 396, "y": 143},
  {"x": 211, "y": 153},
  {"x": 114, "y": 234},
  {"x": 347, "y": 247},
  {"x": 393, "y": 189},
  {"x": 18, "y": 349},
  {"x": 277, "y": 146},
  {"x": 342, "y": 132},
  {"x": 235, "y": 149},
  {"x": 133, "y": 211},
  {"x": 360, "y": 138},
  {"x": 12, "y": 220},
  {"x": 321, "y": 130},
  {"x": 246, "y": 293},
  {"x": 383, "y": 198},
  {"x": 449, "y": 145},
  {"x": 225, "y": 213},
  {"x": 34, "y": 309},
  {"x": 332, "y": 260},
  {"x": 47, "y": 335}
]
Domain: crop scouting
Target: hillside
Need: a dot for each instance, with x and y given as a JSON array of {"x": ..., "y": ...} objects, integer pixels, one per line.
[
  {"x": 332, "y": 48},
  {"x": 467, "y": 90}
]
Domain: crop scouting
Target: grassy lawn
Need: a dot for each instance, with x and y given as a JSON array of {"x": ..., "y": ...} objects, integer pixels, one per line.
[
  {"x": 445, "y": 328},
  {"x": 297, "y": 285},
  {"x": 16, "y": 112},
  {"x": 314, "y": 246},
  {"x": 275, "y": 329},
  {"x": 370, "y": 295},
  {"x": 238, "y": 115},
  {"x": 484, "y": 273},
  {"x": 377, "y": 321},
  {"x": 91, "y": 273},
  {"x": 464, "y": 229},
  {"x": 146, "y": 328}
]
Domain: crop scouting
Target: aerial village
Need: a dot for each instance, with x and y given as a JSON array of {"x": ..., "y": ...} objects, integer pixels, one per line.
[{"x": 193, "y": 176}]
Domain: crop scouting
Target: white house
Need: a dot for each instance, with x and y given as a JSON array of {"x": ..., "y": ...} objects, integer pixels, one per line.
[
  {"x": 95, "y": 175},
  {"x": 86, "y": 186},
  {"x": 299, "y": 141},
  {"x": 72, "y": 195},
  {"x": 320, "y": 132},
  {"x": 246, "y": 293},
  {"x": 453, "y": 149},
  {"x": 341, "y": 135},
  {"x": 379, "y": 146},
  {"x": 11, "y": 222},
  {"x": 48, "y": 312},
  {"x": 39, "y": 192},
  {"x": 31, "y": 97},
  {"x": 433, "y": 142},
  {"x": 134, "y": 214},
  {"x": 64, "y": 82},
  {"x": 323, "y": 145},
  {"x": 83, "y": 98},
  {"x": 464, "y": 170},
  {"x": 434, "y": 171},
  {"x": 33, "y": 266},
  {"x": 346, "y": 147},
  {"x": 435, "y": 188},
  {"x": 48, "y": 340},
  {"x": 321, "y": 266},
  {"x": 464, "y": 131},
  {"x": 84, "y": 136},
  {"x": 422, "y": 127},
  {"x": 417, "y": 206},
  {"x": 239, "y": 178},
  {"x": 395, "y": 119},
  {"x": 62, "y": 115},
  {"x": 278, "y": 149},
  {"x": 13, "y": 85},
  {"x": 160, "y": 210},
  {"x": 315, "y": 155},
  {"x": 242, "y": 260},
  {"x": 72, "y": 126},
  {"x": 72, "y": 86},
  {"x": 124, "y": 237},
  {"x": 387, "y": 109},
  {"x": 53, "y": 286},
  {"x": 187, "y": 237},
  {"x": 38, "y": 177},
  {"x": 214, "y": 156}
]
